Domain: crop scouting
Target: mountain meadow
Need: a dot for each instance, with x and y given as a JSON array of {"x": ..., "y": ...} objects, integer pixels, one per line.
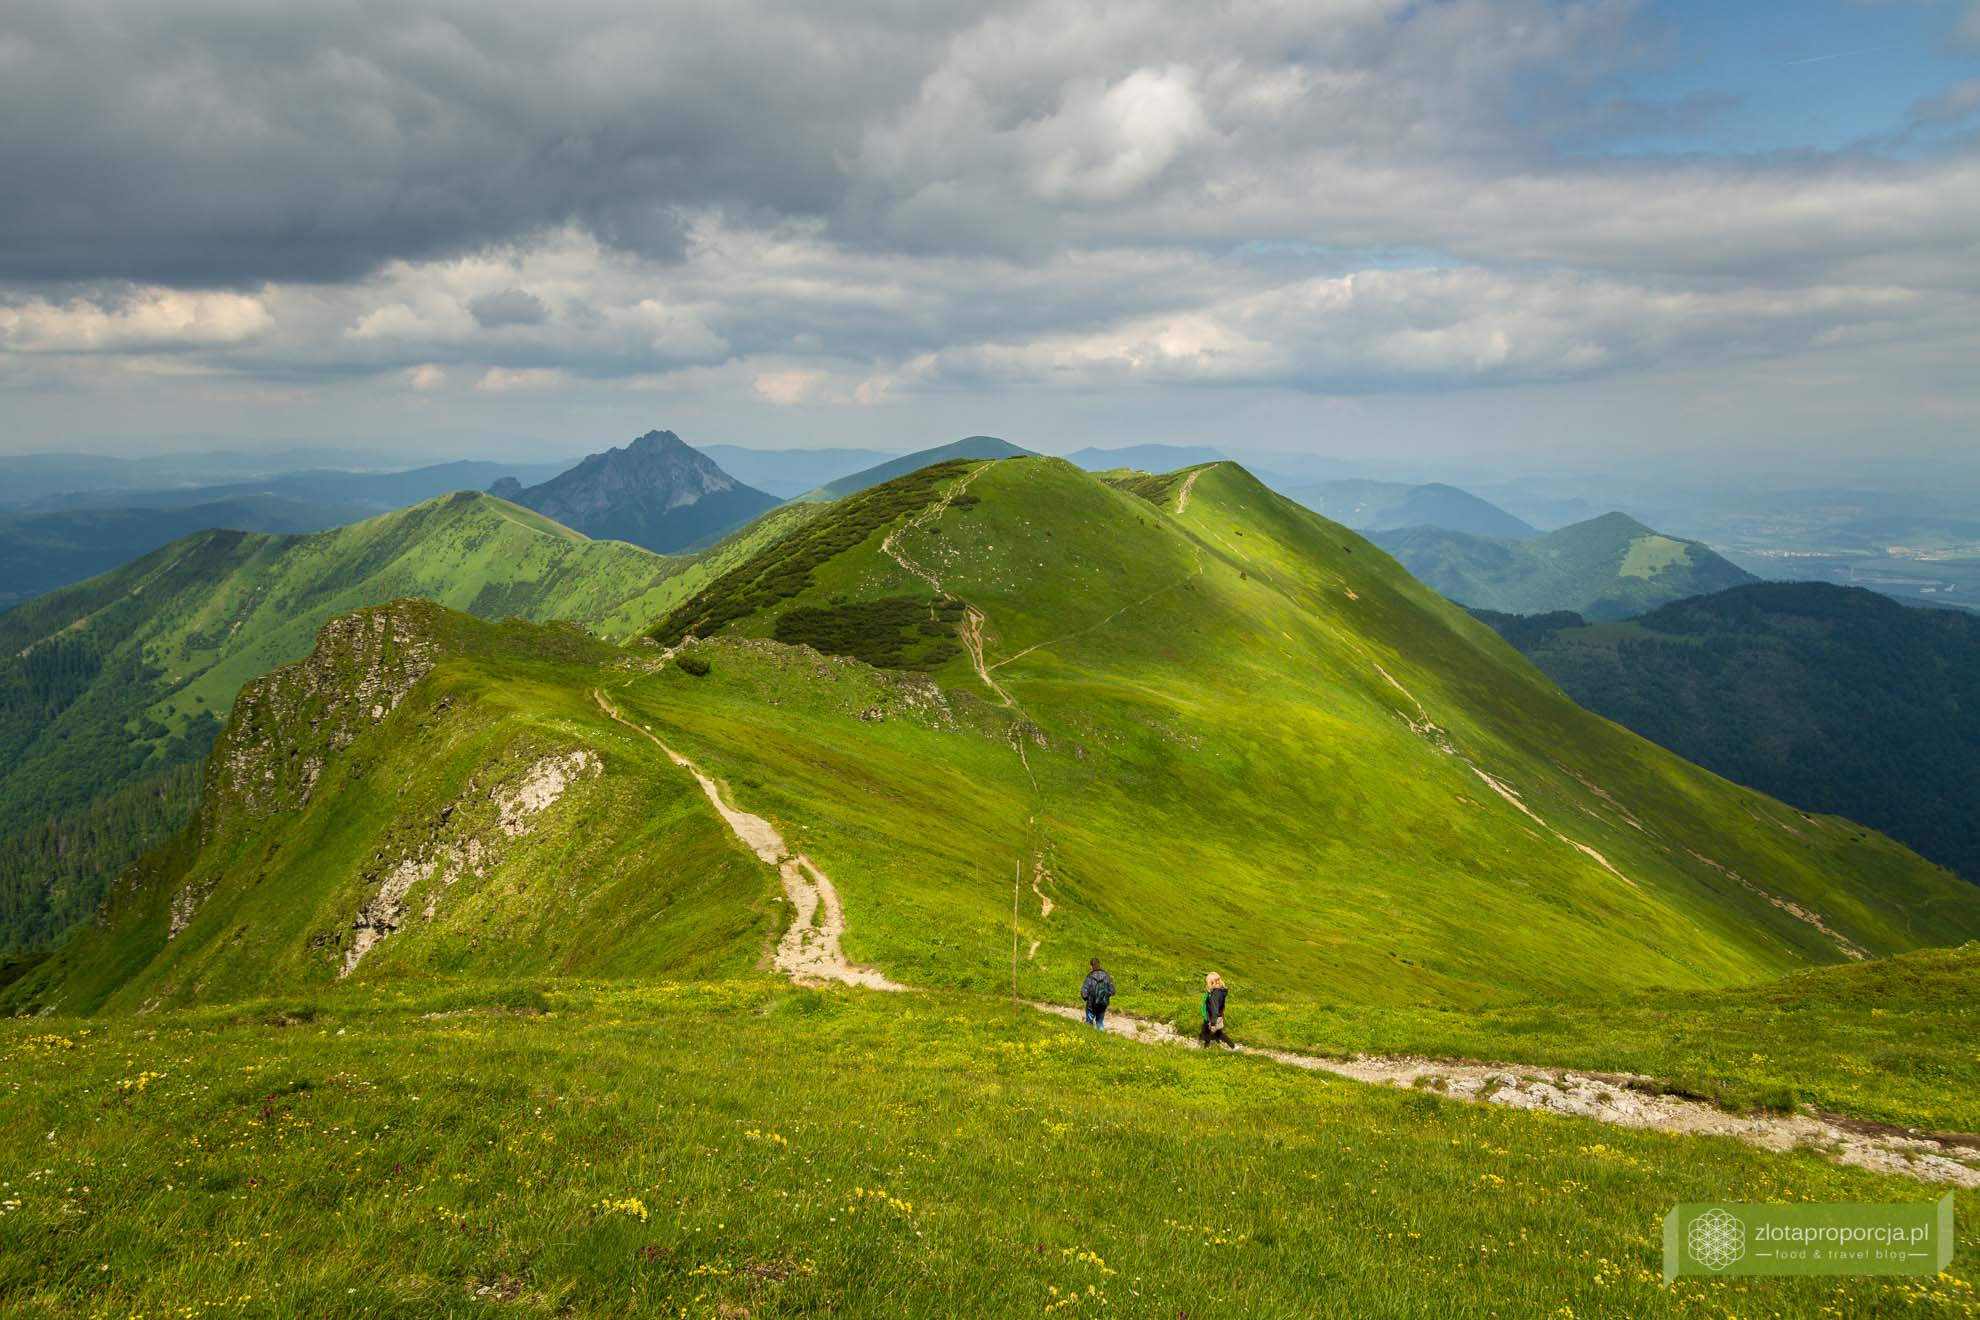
[{"x": 566, "y": 929}]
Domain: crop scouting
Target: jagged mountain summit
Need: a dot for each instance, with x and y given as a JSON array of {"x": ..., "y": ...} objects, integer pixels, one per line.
[
  {"x": 657, "y": 492},
  {"x": 1177, "y": 718}
]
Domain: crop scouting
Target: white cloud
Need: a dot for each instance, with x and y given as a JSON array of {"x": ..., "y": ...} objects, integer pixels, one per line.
[
  {"x": 145, "y": 320},
  {"x": 425, "y": 377},
  {"x": 787, "y": 387},
  {"x": 506, "y": 380}
]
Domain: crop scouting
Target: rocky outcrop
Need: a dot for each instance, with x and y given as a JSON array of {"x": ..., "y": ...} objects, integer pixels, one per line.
[
  {"x": 287, "y": 725},
  {"x": 445, "y": 861}
]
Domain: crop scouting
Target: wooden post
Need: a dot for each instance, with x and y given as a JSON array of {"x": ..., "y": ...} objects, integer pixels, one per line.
[{"x": 1017, "y": 882}]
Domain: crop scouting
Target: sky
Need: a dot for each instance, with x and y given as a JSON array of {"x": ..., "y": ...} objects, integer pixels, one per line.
[{"x": 1507, "y": 237}]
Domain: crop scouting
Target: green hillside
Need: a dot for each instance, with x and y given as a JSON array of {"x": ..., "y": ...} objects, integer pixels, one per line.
[
  {"x": 1611, "y": 567},
  {"x": 1190, "y": 724},
  {"x": 120, "y": 679},
  {"x": 1832, "y": 698},
  {"x": 743, "y": 1149},
  {"x": 459, "y": 993}
]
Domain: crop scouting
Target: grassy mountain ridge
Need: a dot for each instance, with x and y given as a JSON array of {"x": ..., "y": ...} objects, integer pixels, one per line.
[
  {"x": 1611, "y": 567},
  {"x": 1833, "y": 698},
  {"x": 126, "y": 675},
  {"x": 1191, "y": 724}
]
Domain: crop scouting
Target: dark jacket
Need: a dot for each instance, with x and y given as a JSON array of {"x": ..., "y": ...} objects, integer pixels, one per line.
[
  {"x": 1213, "y": 1004},
  {"x": 1097, "y": 987}
]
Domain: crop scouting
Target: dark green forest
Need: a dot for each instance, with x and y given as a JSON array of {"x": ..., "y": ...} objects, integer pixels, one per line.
[
  {"x": 52, "y": 874},
  {"x": 1835, "y": 699}
]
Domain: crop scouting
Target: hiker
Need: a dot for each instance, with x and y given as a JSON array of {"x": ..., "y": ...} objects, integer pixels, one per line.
[
  {"x": 1096, "y": 991},
  {"x": 1213, "y": 1012}
]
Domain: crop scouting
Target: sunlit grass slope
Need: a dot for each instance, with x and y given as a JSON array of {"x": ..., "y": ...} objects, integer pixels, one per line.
[
  {"x": 746, "y": 1149},
  {"x": 127, "y": 675},
  {"x": 1243, "y": 738},
  {"x": 1890, "y": 1040},
  {"x": 1238, "y": 738},
  {"x": 452, "y": 786}
]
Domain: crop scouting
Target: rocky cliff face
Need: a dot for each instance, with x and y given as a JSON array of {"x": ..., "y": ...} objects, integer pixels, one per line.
[
  {"x": 287, "y": 723},
  {"x": 656, "y": 492}
]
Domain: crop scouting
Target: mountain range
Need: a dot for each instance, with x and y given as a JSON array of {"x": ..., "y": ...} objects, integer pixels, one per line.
[
  {"x": 64, "y": 537},
  {"x": 975, "y": 446},
  {"x": 1611, "y": 567},
  {"x": 656, "y": 492},
  {"x": 1204, "y": 725},
  {"x": 1381, "y": 506},
  {"x": 110, "y": 684},
  {"x": 1832, "y": 698}
]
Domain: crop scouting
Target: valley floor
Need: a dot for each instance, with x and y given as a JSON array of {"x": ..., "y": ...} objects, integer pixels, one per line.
[{"x": 747, "y": 1148}]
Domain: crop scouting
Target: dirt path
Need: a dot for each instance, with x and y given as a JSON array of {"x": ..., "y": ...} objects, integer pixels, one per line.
[
  {"x": 1625, "y": 1101},
  {"x": 1189, "y": 484},
  {"x": 809, "y": 952},
  {"x": 971, "y": 631}
]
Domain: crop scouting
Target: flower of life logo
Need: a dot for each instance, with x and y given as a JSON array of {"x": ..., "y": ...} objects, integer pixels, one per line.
[{"x": 1717, "y": 1240}]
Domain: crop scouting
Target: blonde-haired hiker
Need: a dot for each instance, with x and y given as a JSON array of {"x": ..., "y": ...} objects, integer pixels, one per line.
[{"x": 1214, "y": 995}]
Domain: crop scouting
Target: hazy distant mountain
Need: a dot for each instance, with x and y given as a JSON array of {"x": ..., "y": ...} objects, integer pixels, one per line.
[
  {"x": 363, "y": 494},
  {"x": 25, "y": 478},
  {"x": 1380, "y": 506},
  {"x": 66, "y": 537},
  {"x": 790, "y": 472},
  {"x": 975, "y": 446},
  {"x": 108, "y": 684},
  {"x": 1146, "y": 458},
  {"x": 1833, "y": 698},
  {"x": 1610, "y": 567},
  {"x": 42, "y": 551},
  {"x": 656, "y": 492}
]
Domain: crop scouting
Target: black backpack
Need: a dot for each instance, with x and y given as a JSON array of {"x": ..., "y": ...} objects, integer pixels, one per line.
[{"x": 1102, "y": 990}]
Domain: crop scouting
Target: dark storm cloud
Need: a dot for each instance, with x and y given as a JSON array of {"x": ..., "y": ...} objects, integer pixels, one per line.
[
  {"x": 509, "y": 307},
  {"x": 209, "y": 142}
]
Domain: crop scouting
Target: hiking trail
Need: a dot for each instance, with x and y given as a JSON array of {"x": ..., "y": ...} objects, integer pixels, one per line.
[
  {"x": 971, "y": 630},
  {"x": 1189, "y": 484},
  {"x": 809, "y": 952},
  {"x": 1624, "y": 1100}
]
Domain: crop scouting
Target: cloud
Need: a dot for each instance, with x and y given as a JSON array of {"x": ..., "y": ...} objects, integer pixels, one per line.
[
  {"x": 149, "y": 320},
  {"x": 509, "y": 307},
  {"x": 1949, "y": 106},
  {"x": 1966, "y": 32},
  {"x": 1387, "y": 330},
  {"x": 780, "y": 205},
  {"x": 506, "y": 380},
  {"x": 787, "y": 387}
]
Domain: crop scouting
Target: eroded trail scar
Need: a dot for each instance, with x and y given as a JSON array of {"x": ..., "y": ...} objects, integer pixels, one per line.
[
  {"x": 809, "y": 952},
  {"x": 1189, "y": 484},
  {"x": 971, "y": 631}
]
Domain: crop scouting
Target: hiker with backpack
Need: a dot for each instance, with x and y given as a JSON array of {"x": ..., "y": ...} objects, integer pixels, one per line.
[
  {"x": 1096, "y": 992},
  {"x": 1214, "y": 995}
]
